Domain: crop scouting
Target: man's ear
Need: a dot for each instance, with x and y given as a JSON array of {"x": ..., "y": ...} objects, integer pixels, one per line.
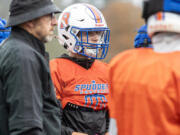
[{"x": 28, "y": 25}]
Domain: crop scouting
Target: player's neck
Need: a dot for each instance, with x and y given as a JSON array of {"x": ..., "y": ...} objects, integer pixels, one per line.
[{"x": 166, "y": 42}]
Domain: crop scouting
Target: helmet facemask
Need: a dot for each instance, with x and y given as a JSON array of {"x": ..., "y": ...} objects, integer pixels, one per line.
[{"x": 92, "y": 42}]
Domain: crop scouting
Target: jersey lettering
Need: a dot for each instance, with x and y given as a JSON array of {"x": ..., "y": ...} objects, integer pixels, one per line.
[{"x": 93, "y": 93}]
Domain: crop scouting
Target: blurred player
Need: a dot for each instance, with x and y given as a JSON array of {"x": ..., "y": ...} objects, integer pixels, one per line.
[
  {"x": 145, "y": 83},
  {"x": 4, "y": 32},
  {"x": 80, "y": 80},
  {"x": 142, "y": 39}
]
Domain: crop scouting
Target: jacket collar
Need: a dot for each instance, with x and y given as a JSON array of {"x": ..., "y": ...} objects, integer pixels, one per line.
[
  {"x": 29, "y": 39},
  {"x": 86, "y": 63}
]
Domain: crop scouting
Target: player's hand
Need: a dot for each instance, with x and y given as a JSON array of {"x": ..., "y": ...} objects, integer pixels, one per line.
[
  {"x": 107, "y": 133},
  {"x": 78, "y": 133}
]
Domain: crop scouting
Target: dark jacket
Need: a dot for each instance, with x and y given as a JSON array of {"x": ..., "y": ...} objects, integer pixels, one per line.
[
  {"x": 85, "y": 120},
  {"x": 27, "y": 97}
]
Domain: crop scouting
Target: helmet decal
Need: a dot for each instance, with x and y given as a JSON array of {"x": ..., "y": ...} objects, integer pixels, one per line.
[
  {"x": 160, "y": 16},
  {"x": 65, "y": 19}
]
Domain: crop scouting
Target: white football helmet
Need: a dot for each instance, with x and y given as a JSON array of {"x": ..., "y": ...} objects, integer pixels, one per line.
[
  {"x": 77, "y": 20},
  {"x": 163, "y": 22},
  {"x": 162, "y": 16}
]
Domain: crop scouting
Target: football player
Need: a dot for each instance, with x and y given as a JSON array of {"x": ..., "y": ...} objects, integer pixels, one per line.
[
  {"x": 4, "y": 32},
  {"x": 142, "y": 39},
  {"x": 80, "y": 79},
  {"x": 145, "y": 83}
]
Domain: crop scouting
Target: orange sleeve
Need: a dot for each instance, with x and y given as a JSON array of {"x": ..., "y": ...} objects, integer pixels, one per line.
[
  {"x": 56, "y": 78},
  {"x": 178, "y": 97},
  {"x": 110, "y": 96},
  {"x": 111, "y": 106}
]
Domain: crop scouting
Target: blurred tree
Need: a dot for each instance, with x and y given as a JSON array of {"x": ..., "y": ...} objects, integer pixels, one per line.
[
  {"x": 123, "y": 20},
  {"x": 98, "y": 3},
  {"x": 4, "y": 8}
]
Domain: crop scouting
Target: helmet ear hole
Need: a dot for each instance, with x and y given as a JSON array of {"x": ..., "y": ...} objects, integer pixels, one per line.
[
  {"x": 65, "y": 37},
  {"x": 65, "y": 46}
]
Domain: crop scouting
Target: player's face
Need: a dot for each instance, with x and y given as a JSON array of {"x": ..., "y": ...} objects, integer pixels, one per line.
[
  {"x": 91, "y": 42},
  {"x": 93, "y": 36}
]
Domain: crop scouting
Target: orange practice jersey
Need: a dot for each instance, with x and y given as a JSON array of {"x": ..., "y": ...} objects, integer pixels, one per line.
[
  {"x": 80, "y": 86},
  {"x": 145, "y": 92}
]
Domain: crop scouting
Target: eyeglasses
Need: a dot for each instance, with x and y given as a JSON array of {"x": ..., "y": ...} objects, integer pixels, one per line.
[{"x": 52, "y": 16}]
